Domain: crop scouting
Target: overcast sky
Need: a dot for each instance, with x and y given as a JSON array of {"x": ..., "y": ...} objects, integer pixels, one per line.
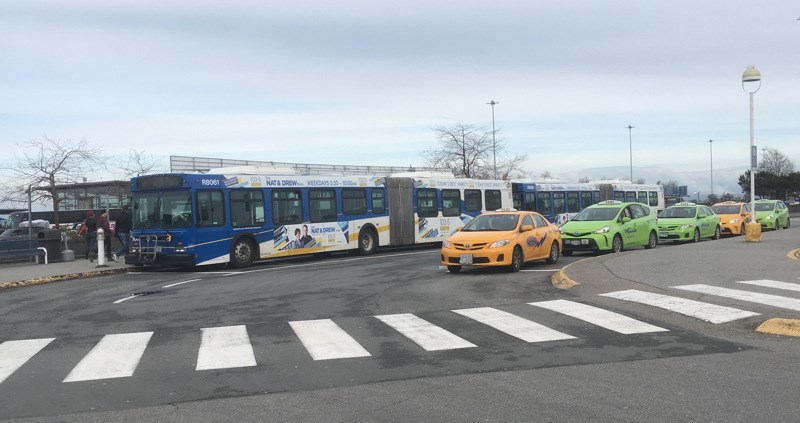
[{"x": 363, "y": 82}]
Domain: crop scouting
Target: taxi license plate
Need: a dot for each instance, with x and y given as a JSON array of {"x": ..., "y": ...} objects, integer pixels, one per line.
[
  {"x": 663, "y": 234},
  {"x": 465, "y": 259}
]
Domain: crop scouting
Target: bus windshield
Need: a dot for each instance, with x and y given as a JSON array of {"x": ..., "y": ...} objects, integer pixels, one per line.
[{"x": 167, "y": 210}]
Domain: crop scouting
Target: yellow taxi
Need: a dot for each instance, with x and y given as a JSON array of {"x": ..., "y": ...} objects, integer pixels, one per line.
[
  {"x": 733, "y": 215},
  {"x": 502, "y": 238}
]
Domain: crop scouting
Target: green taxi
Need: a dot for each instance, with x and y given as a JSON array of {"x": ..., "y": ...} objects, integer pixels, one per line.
[
  {"x": 610, "y": 226},
  {"x": 772, "y": 214},
  {"x": 688, "y": 222}
]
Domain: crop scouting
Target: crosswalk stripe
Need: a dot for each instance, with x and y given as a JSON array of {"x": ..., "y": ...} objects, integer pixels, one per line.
[
  {"x": 753, "y": 297},
  {"x": 13, "y": 354},
  {"x": 425, "y": 334},
  {"x": 225, "y": 348},
  {"x": 114, "y": 356},
  {"x": 774, "y": 284},
  {"x": 515, "y": 326},
  {"x": 600, "y": 317},
  {"x": 325, "y": 340},
  {"x": 708, "y": 312}
]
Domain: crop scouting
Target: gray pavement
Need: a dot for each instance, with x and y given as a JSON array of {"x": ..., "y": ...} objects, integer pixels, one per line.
[{"x": 31, "y": 273}]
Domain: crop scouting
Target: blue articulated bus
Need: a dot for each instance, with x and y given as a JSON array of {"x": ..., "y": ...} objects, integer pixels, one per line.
[
  {"x": 559, "y": 202},
  {"x": 199, "y": 219}
]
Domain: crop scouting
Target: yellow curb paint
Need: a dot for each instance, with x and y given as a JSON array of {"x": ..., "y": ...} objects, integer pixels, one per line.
[
  {"x": 794, "y": 254},
  {"x": 48, "y": 279},
  {"x": 786, "y": 327},
  {"x": 561, "y": 280}
]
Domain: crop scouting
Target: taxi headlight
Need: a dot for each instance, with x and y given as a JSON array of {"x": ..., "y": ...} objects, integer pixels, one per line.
[
  {"x": 770, "y": 216},
  {"x": 603, "y": 230},
  {"x": 687, "y": 226},
  {"x": 498, "y": 244},
  {"x": 445, "y": 244},
  {"x": 734, "y": 220}
]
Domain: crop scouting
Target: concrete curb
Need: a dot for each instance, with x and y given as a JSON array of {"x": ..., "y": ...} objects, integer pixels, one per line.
[
  {"x": 560, "y": 279},
  {"x": 49, "y": 279},
  {"x": 786, "y": 327}
]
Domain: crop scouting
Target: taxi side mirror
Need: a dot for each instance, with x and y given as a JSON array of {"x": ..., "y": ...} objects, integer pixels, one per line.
[
  {"x": 701, "y": 216},
  {"x": 527, "y": 228},
  {"x": 459, "y": 228},
  {"x": 625, "y": 219}
]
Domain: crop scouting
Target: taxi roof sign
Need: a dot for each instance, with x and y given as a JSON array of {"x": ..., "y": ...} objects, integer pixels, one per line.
[
  {"x": 506, "y": 210},
  {"x": 686, "y": 203},
  {"x": 610, "y": 202}
]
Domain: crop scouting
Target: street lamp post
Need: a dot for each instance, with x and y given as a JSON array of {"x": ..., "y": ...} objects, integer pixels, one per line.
[
  {"x": 751, "y": 83},
  {"x": 494, "y": 141},
  {"x": 630, "y": 148},
  {"x": 711, "y": 151}
]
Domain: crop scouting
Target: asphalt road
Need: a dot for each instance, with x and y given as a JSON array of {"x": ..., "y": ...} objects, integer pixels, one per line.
[{"x": 676, "y": 370}]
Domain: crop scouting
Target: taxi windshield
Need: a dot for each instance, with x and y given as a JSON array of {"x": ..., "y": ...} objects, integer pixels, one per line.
[
  {"x": 725, "y": 209},
  {"x": 597, "y": 214},
  {"x": 678, "y": 212},
  {"x": 498, "y": 222},
  {"x": 764, "y": 206}
]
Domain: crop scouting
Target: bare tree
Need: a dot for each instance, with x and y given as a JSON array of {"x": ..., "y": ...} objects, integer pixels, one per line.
[
  {"x": 775, "y": 162},
  {"x": 639, "y": 181},
  {"x": 583, "y": 179},
  {"x": 546, "y": 174},
  {"x": 138, "y": 163},
  {"x": 50, "y": 162},
  {"x": 467, "y": 149}
]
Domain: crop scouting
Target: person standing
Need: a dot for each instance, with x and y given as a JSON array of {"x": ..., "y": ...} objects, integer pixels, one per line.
[
  {"x": 123, "y": 229},
  {"x": 104, "y": 223},
  {"x": 89, "y": 228}
]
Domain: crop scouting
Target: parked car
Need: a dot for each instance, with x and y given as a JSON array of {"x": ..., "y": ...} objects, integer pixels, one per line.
[
  {"x": 502, "y": 238},
  {"x": 772, "y": 214},
  {"x": 610, "y": 226},
  {"x": 688, "y": 222},
  {"x": 733, "y": 216}
]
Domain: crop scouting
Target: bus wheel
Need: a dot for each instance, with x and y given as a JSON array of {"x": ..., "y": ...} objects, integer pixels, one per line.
[
  {"x": 454, "y": 269},
  {"x": 242, "y": 254},
  {"x": 367, "y": 242}
]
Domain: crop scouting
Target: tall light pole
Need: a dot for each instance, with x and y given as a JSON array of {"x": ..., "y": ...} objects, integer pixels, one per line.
[
  {"x": 494, "y": 141},
  {"x": 711, "y": 151},
  {"x": 751, "y": 83},
  {"x": 630, "y": 148}
]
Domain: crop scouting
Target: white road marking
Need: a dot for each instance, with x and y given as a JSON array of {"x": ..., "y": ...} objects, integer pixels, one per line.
[
  {"x": 126, "y": 299},
  {"x": 774, "y": 284},
  {"x": 13, "y": 354},
  {"x": 326, "y": 263},
  {"x": 539, "y": 270},
  {"x": 113, "y": 357},
  {"x": 708, "y": 312},
  {"x": 425, "y": 334},
  {"x": 600, "y": 317},
  {"x": 325, "y": 340},
  {"x": 753, "y": 297},
  {"x": 515, "y": 326},
  {"x": 224, "y": 348},
  {"x": 180, "y": 283}
]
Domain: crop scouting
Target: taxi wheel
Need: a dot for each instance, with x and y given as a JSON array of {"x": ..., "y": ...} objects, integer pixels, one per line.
[
  {"x": 453, "y": 269},
  {"x": 696, "y": 235},
  {"x": 616, "y": 244},
  {"x": 652, "y": 242},
  {"x": 777, "y": 225},
  {"x": 553, "y": 253},
  {"x": 717, "y": 233},
  {"x": 516, "y": 260}
]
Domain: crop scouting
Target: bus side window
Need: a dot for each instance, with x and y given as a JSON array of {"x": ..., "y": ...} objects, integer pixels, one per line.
[
  {"x": 451, "y": 202},
  {"x": 426, "y": 203},
  {"x": 322, "y": 205},
  {"x": 354, "y": 201},
  {"x": 493, "y": 199},
  {"x": 472, "y": 200},
  {"x": 530, "y": 201},
  {"x": 211, "y": 208},
  {"x": 378, "y": 200},
  {"x": 247, "y": 207},
  {"x": 287, "y": 207},
  {"x": 653, "y": 198}
]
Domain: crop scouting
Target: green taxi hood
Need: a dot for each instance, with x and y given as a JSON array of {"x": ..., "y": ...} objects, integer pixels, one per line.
[
  {"x": 766, "y": 213},
  {"x": 585, "y": 225}
]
